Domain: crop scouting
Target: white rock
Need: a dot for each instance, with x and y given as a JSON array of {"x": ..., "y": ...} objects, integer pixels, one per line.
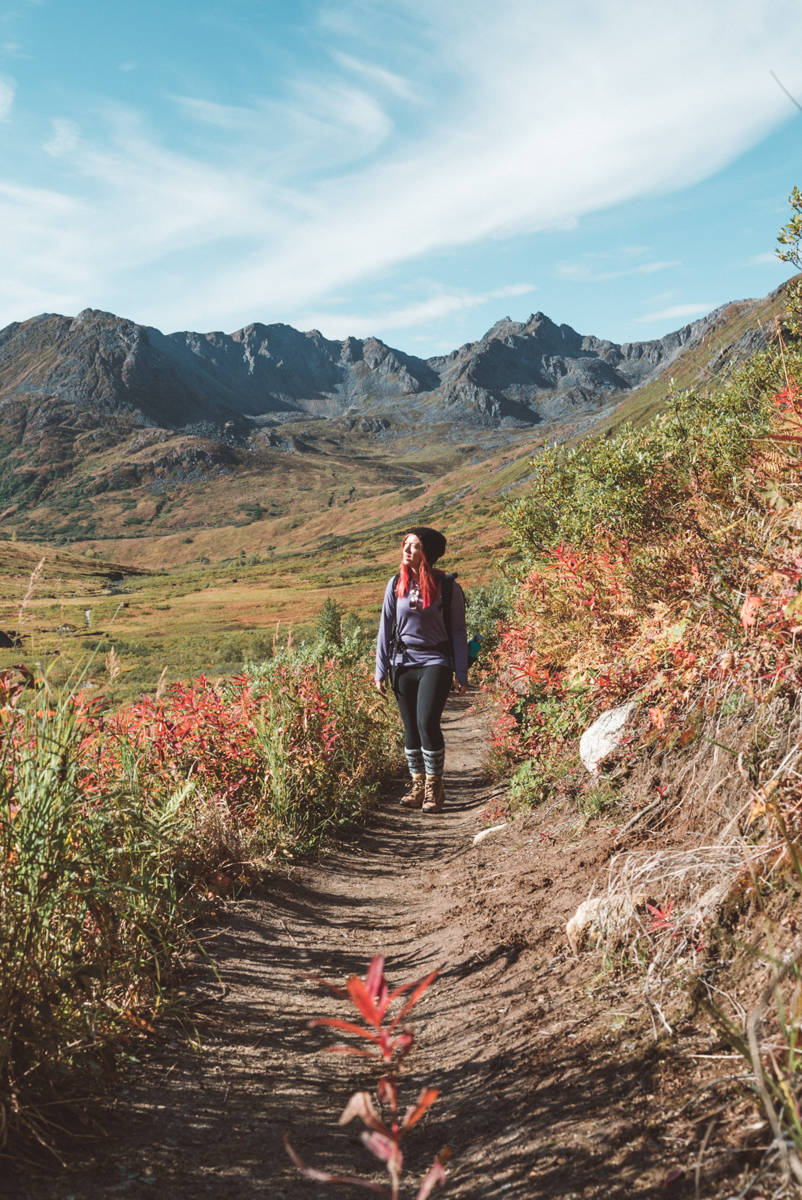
[
  {"x": 582, "y": 925},
  {"x": 483, "y": 833},
  {"x": 600, "y": 919},
  {"x": 605, "y": 735}
]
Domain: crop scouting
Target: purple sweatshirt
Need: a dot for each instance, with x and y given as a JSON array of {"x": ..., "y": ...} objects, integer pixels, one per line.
[{"x": 421, "y": 629}]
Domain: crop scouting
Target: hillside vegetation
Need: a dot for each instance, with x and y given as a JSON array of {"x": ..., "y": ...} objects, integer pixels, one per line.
[{"x": 661, "y": 570}]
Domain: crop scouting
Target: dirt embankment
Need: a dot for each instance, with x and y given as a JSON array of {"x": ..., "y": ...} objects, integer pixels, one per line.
[{"x": 552, "y": 1082}]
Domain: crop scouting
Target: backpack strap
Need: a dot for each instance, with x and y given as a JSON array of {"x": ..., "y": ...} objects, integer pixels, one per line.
[
  {"x": 394, "y": 638},
  {"x": 446, "y": 593}
]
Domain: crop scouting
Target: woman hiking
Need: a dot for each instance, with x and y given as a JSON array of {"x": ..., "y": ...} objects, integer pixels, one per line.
[{"x": 421, "y": 644}]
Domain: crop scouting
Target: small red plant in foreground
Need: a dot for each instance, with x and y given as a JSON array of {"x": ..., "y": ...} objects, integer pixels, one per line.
[
  {"x": 390, "y": 1042},
  {"x": 661, "y": 917},
  {"x": 495, "y": 812}
]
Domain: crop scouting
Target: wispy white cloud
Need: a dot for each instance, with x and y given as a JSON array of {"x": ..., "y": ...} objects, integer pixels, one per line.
[
  {"x": 441, "y": 304},
  {"x": 14, "y": 50},
  {"x": 318, "y": 126},
  {"x": 758, "y": 260},
  {"x": 649, "y": 268},
  {"x": 502, "y": 154},
  {"x": 332, "y": 120},
  {"x": 44, "y": 224},
  {"x": 387, "y": 80},
  {"x": 64, "y": 257},
  {"x": 221, "y": 116},
  {"x": 8, "y": 87},
  {"x": 165, "y": 201},
  {"x": 678, "y": 312},
  {"x": 586, "y": 272},
  {"x": 63, "y": 138}
]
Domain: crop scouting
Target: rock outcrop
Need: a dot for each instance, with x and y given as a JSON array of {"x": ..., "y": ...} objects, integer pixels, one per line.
[{"x": 534, "y": 371}]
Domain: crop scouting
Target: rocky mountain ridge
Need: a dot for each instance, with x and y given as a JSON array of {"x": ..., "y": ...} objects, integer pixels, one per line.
[
  {"x": 536, "y": 370},
  {"x": 519, "y": 373},
  {"x": 107, "y": 426}
]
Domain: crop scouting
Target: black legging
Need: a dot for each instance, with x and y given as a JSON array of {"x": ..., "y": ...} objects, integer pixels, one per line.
[{"x": 421, "y": 693}]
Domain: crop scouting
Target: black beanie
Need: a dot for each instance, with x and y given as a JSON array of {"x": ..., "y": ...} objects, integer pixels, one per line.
[{"x": 432, "y": 541}]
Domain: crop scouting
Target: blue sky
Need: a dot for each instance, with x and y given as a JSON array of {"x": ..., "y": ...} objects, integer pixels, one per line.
[{"x": 407, "y": 169}]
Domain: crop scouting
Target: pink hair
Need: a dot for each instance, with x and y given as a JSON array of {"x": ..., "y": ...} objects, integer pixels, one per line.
[{"x": 428, "y": 581}]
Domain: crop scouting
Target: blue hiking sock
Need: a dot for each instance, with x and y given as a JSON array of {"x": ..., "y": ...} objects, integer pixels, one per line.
[
  {"x": 434, "y": 761},
  {"x": 414, "y": 759}
]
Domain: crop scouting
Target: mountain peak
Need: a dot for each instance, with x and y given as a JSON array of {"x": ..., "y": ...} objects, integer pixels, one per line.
[{"x": 519, "y": 372}]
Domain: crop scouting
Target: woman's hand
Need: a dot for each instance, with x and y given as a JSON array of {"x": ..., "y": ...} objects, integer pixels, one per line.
[{"x": 379, "y": 685}]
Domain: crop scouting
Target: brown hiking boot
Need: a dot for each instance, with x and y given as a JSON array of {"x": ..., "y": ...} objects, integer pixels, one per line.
[
  {"x": 414, "y": 797},
  {"x": 433, "y": 798}
]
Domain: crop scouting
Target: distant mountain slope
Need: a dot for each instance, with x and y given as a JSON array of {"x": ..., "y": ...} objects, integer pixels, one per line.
[
  {"x": 732, "y": 334},
  {"x": 535, "y": 371},
  {"x": 520, "y": 373},
  {"x": 103, "y": 363},
  {"x": 106, "y": 425}
]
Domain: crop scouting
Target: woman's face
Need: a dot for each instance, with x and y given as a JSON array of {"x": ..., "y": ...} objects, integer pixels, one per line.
[{"x": 412, "y": 551}]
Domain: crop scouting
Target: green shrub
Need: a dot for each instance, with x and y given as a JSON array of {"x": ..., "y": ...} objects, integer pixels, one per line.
[
  {"x": 534, "y": 781},
  {"x": 530, "y": 784},
  {"x": 597, "y": 800},
  {"x": 636, "y": 480},
  {"x": 88, "y": 906},
  {"x": 329, "y": 623},
  {"x": 487, "y": 606}
]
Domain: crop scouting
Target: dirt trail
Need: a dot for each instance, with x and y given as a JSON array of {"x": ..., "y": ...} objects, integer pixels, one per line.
[{"x": 550, "y": 1082}]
